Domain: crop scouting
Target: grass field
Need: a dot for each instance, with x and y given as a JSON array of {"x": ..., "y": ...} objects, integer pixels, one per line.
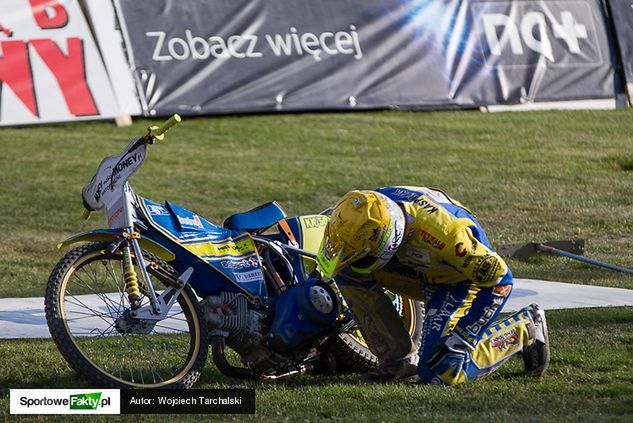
[{"x": 527, "y": 176}]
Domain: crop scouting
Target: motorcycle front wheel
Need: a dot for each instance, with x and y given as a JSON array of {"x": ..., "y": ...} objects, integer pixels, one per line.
[{"x": 88, "y": 315}]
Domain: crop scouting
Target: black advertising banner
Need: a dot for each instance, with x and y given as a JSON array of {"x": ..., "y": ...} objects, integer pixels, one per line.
[
  {"x": 225, "y": 56},
  {"x": 622, "y": 15}
]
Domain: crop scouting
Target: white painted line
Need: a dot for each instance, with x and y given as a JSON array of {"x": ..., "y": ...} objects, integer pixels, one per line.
[
  {"x": 25, "y": 318},
  {"x": 559, "y": 295}
]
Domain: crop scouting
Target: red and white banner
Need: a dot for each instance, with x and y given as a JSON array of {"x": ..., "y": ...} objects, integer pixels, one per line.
[{"x": 50, "y": 68}]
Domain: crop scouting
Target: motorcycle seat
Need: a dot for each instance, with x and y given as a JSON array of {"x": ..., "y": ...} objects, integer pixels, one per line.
[{"x": 257, "y": 219}]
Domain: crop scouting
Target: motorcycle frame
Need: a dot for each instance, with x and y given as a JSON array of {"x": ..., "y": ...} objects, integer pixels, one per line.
[
  {"x": 110, "y": 190},
  {"x": 122, "y": 211}
]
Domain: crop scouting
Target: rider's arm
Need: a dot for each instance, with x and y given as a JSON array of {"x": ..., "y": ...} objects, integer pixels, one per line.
[
  {"x": 490, "y": 275},
  {"x": 471, "y": 257}
]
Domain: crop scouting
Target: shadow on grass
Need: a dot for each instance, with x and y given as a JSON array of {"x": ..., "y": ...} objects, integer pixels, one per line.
[
  {"x": 211, "y": 377},
  {"x": 564, "y": 326}
]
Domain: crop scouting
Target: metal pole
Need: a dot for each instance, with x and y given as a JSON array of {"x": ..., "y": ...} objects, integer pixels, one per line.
[{"x": 558, "y": 252}]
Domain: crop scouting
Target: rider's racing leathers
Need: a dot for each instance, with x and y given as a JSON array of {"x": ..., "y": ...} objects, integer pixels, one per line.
[{"x": 445, "y": 260}]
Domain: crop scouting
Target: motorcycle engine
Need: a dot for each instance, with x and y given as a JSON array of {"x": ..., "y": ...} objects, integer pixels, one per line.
[
  {"x": 273, "y": 340},
  {"x": 302, "y": 313}
]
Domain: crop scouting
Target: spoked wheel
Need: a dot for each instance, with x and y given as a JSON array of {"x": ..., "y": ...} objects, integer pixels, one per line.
[
  {"x": 350, "y": 349},
  {"x": 90, "y": 320}
]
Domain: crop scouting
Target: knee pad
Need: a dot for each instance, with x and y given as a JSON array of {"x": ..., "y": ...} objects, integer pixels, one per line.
[{"x": 446, "y": 367}]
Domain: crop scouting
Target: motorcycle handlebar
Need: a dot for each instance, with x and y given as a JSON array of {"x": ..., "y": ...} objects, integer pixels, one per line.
[{"x": 158, "y": 132}]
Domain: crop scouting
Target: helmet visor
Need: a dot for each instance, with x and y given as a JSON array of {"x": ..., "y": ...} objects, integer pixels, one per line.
[{"x": 333, "y": 257}]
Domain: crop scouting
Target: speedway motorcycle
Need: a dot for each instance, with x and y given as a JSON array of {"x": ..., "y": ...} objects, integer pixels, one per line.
[{"x": 140, "y": 303}]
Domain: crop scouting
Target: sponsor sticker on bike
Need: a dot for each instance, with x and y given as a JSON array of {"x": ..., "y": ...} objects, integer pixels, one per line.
[
  {"x": 253, "y": 275},
  {"x": 240, "y": 264},
  {"x": 187, "y": 222},
  {"x": 157, "y": 210}
]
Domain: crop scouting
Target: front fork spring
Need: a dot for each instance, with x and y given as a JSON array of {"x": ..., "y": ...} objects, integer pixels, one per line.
[{"x": 131, "y": 280}]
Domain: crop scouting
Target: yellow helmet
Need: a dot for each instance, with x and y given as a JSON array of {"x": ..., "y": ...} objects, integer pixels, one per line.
[{"x": 365, "y": 230}]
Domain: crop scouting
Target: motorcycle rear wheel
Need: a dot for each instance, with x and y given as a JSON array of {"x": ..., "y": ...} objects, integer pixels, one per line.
[{"x": 86, "y": 308}]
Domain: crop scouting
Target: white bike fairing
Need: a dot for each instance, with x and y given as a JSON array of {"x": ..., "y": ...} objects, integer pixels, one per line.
[{"x": 106, "y": 187}]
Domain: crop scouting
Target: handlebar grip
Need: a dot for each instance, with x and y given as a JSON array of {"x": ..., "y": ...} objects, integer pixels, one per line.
[
  {"x": 158, "y": 132},
  {"x": 87, "y": 214}
]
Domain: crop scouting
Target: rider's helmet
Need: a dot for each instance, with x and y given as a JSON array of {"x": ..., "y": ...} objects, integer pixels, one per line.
[{"x": 365, "y": 230}]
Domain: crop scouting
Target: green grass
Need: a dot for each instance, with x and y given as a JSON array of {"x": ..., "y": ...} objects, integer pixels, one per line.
[
  {"x": 590, "y": 379},
  {"x": 527, "y": 176}
]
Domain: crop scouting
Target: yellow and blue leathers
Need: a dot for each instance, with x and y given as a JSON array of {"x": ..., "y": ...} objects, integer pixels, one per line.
[{"x": 445, "y": 260}]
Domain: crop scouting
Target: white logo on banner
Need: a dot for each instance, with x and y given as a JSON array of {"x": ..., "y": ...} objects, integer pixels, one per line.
[
  {"x": 241, "y": 46},
  {"x": 513, "y": 32},
  {"x": 532, "y": 23}
]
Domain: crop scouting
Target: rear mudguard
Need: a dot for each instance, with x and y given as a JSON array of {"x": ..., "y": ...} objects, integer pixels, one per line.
[{"x": 105, "y": 235}]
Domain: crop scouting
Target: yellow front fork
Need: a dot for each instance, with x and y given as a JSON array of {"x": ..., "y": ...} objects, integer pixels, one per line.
[{"x": 131, "y": 280}]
